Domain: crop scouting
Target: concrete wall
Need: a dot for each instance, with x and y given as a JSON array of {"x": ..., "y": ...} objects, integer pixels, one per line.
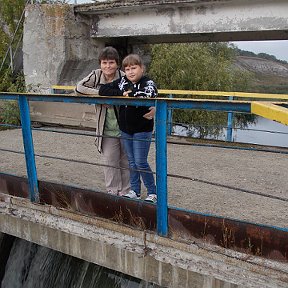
[
  {"x": 58, "y": 49},
  {"x": 153, "y": 21},
  {"x": 141, "y": 254},
  {"x": 57, "y": 46}
]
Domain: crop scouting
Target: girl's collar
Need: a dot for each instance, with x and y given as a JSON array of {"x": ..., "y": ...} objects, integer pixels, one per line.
[{"x": 144, "y": 76}]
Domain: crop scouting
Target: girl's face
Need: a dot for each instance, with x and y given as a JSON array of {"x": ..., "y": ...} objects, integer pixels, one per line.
[
  {"x": 109, "y": 68},
  {"x": 134, "y": 72}
]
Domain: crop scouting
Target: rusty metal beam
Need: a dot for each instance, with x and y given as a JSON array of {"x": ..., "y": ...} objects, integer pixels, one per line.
[{"x": 250, "y": 238}]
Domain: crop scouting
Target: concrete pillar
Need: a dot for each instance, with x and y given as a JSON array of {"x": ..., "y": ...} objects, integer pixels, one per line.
[{"x": 58, "y": 49}]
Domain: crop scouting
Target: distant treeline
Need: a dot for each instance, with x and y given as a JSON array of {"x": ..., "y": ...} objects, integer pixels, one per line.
[{"x": 266, "y": 56}]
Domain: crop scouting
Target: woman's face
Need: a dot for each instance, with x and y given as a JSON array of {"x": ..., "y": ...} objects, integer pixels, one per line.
[
  {"x": 134, "y": 72},
  {"x": 109, "y": 68}
]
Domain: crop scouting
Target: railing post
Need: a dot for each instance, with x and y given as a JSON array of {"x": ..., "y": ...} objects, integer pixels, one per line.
[
  {"x": 169, "y": 118},
  {"x": 29, "y": 149},
  {"x": 161, "y": 167},
  {"x": 229, "y": 124}
]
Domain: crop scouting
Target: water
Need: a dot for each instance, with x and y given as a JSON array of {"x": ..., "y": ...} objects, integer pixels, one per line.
[
  {"x": 262, "y": 137},
  {"x": 30, "y": 265},
  {"x": 262, "y": 132}
]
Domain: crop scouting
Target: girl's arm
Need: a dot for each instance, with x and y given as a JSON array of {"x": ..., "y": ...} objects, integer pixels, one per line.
[
  {"x": 150, "y": 115},
  {"x": 148, "y": 90},
  {"x": 111, "y": 89}
]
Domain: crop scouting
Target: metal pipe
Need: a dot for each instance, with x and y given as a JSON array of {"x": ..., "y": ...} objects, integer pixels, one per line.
[
  {"x": 29, "y": 149},
  {"x": 161, "y": 167},
  {"x": 229, "y": 124},
  {"x": 169, "y": 118}
]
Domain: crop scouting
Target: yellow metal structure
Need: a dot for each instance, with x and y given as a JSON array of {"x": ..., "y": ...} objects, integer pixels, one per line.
[
  {"x": 270, "y": 111},
  {"x": 62, "y": 87},
  {"x": 225, "y": 94},
  {"x": 205, "y": 93}
]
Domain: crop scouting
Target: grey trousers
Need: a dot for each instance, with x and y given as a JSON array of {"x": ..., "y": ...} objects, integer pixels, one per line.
[{"x": 117, "y": 180}]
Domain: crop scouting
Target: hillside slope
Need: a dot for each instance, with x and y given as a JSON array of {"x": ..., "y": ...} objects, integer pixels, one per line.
[{"x": 267, "y": 76}]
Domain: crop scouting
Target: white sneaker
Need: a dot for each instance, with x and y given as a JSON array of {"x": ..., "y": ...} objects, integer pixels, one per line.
[
  {"x": 132, "y": 195},
  {"x": 151, "y": 198}
]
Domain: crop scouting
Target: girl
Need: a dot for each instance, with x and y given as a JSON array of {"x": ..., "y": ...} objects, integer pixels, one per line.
[{"x": 136, "y": 123}]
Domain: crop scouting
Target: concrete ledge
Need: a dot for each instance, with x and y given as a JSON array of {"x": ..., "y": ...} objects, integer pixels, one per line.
[
  {"x": 141, "y": 254},
  {"x": 185, "y": 21}
]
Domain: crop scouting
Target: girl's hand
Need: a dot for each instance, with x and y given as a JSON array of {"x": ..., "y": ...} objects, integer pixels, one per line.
[
  {"x": 150, "y": 115},
  {"x": 126, "y": 93}
]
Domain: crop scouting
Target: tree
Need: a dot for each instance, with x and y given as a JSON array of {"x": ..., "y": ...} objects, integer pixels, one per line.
[
  {"x": 11, "y": 26},
  {"x": 10, "y": 15},
  {"x": 197, "y": 66}
]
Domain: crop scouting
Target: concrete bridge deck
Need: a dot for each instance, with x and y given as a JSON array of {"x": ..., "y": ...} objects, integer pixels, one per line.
[
  {"x": 254, "y": 171},
  {"x": 142, "y": 254}
]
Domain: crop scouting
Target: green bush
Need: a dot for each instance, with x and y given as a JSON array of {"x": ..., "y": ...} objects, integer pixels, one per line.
[
  {"x": 198, "y": 66},
  {"x": 10, "y": 113}
]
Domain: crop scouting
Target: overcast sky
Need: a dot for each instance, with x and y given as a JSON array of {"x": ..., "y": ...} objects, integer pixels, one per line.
[{"x": 277, "y": 48}]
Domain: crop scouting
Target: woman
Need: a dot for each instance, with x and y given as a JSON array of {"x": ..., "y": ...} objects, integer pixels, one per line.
[{"x": 107, "y": 129}]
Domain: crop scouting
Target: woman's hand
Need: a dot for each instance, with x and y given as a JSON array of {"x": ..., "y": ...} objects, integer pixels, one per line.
[{"x": 150, "y": 115}]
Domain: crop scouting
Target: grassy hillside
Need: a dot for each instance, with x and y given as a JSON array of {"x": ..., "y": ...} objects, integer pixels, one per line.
[{"x": 268, "y": 76}]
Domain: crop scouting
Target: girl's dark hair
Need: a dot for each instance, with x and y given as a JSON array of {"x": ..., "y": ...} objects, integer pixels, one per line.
[
  {"x": 132, "y": 59},
  {"x": 109, "y": 53}
]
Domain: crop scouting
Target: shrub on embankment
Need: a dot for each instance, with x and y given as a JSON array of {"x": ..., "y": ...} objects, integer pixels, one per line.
[
  {"x": 198, "y": 66},
  {"x": 9, "y": 110}
]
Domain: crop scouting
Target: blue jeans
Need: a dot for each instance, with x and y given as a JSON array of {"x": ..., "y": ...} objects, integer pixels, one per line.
[{"x": 137, "y": 153}]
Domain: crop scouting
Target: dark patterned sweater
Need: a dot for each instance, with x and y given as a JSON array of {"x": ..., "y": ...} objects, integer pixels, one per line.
[{"x": 131, "y": 118}]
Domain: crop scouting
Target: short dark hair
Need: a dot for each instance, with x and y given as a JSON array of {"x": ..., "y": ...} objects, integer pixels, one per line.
[{"x": 109, "y": 53}]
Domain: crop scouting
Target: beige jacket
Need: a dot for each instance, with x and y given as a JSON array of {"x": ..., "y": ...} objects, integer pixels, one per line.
[{"x": 90, "y": 86}]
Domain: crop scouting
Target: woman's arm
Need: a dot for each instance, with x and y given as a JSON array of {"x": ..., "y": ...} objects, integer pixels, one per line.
[{"x": 87, "y": 86}]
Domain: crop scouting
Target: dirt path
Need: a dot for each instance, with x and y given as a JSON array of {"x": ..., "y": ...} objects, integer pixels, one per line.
[{"x": 262, "y": 172}]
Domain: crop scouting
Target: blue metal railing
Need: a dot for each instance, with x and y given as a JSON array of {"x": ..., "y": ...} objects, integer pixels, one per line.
[
  {"x": 162, "y": 106},
  {"x": 29, "y": 149},
  {"x": 230, "y": 119},
  {"x": 203, "y": 95}
]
